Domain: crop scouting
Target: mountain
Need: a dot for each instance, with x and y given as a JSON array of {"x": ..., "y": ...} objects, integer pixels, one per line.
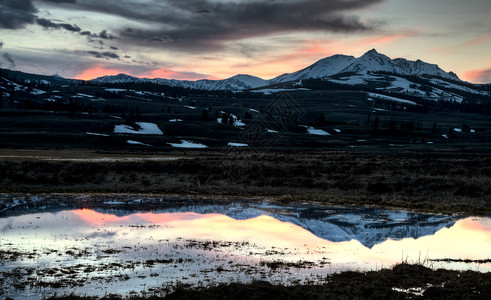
[
  {"x": 238, "y": 82},
  {"x": 372, "y": 61}
]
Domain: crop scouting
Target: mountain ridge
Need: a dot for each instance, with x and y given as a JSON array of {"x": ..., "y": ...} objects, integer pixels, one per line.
[{"x": 371, "y": 61}]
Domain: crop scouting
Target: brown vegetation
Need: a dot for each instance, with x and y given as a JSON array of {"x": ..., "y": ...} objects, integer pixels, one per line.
[{"x": 444, "y": 182}]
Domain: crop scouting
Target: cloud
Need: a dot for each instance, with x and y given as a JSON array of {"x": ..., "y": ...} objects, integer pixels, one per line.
[
  {"x": 9, "y": 59},
  {"x": 48, "y": 24},
  {"x": 60, "y": 1},
  {"x": 104, "y": 35},
  {"x": 16, "y": 14},
  {"x": 478, "y": 41},
  {"x": 107, "y": 54},
  {"x": 200, "y": 25},
  {"x": 1, "y": 44},
  {"x": 479, "y": 76}
]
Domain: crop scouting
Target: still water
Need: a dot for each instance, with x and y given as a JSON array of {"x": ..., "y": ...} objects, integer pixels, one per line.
[{"x": 102, "y": 251}]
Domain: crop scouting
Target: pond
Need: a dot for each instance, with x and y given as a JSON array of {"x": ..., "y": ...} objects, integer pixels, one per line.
[{"x": 112, "y": 249}]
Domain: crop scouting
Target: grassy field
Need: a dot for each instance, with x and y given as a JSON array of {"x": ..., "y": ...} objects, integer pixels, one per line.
[{"x": 431, "y": 182}]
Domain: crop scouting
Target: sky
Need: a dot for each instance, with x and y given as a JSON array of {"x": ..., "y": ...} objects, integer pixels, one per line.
[{"x": 217, "y": 39}]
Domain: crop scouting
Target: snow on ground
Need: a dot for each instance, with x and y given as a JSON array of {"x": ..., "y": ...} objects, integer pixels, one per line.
[
  {"x": 116, "y": 117},
  {"x": 405, "y": 86},
  {"x": 272, "y": 131},
  {"x": 137, "y": 143},
  {"x": 438, "y": 94},
  {"x": 84, "y": 95},
  {"x": 188, "y": 144},
  {"x": 314, "y": 131},
  {"x": 175, "y": 120},
  {"x": 190, "y": 107},
  {"x": 272, "y": 91},
  {"x": 237, "y": 122},
  {"x": 238, "y": 145},
  {"x": 337, "y": 130},
  {"x": 116, "y": 90},
  {"x": 445, "y": 136},
  {"x": 389, "y": 98},
  {"x": 37, "y": 92},
  {"x": 254, "y": 110},
  {"x": 457, "y": 130},
  {"x": 146, "y": 128},
  {"x": 457, "y": 87},
  {"x": 356, "y": 79},
  {"x": 98, "y": 134}
]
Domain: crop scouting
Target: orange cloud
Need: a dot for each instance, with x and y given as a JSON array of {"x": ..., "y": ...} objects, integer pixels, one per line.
[
  {"x": 374, "y": 41},
  {"x": 94, "y": 72},
  {"x": 479, "y": 40},
  {"x": 478, "y": 76},
  {"x": 170, "y": 74}
]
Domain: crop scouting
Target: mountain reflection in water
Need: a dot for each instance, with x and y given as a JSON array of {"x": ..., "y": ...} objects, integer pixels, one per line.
[{"x": 210, "y": 244}]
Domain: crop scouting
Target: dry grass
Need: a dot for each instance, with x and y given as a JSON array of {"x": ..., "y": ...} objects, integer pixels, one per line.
[{"x": 444, "y": 182}]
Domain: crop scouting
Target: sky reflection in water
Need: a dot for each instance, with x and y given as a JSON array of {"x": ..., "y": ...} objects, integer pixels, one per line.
[{"x": 238, "y": 243}]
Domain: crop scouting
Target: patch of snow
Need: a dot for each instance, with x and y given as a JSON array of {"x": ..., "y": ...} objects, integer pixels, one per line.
[
  {"x": 175, "y": 120},
  {"x": 254, "y": 110},
  {"x": 414, "y": 291},
  {"x": 145, "y": 128},
  {"x": 237, "y": 122},
  {"x": 271, "y": 131},
  {"x": 445, "y": 136},
  {"x": 116, "y": 117},
  {"x": 473, "y": 131},
  {"x": 337, "y": 130},
  {"x": 314, "y": 131},
  {"x": 137, "y": 143},
  {"x": 188, "y": 144},
  {"x": 459, "y": 130},
  {"x": 98, "y": 134},
  {"x": 116, "y": 90},
  {"x": 389, "y": 98},
  {"x": 429, "y": 143},
  {"x": 190, "y": 107},
  {"x": 454, "y": 86},
  {"x": 85, "y": 95},
  {"x": 38, "y": 92},
  {"x": 272, "y": 91},
  {"x": 238, "y": 145}
]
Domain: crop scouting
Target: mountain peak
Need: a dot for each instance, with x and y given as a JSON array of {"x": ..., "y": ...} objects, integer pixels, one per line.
[{"x": 373, "y": 51}]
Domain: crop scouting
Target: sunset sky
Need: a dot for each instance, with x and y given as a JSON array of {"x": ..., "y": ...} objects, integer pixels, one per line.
[{"x": 216, "y": 39}]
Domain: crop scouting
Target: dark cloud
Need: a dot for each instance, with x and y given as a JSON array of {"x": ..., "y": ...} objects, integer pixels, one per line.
[
  {"x": 9, "y": 59},
  {"x": 1, "y": 45},
  {"x": 200, "y": 25},
  {"x": 15, "y": 14},
  {"x": 59, "y": 1},
  {"x": 107, "y": 54},
  {"x": 104, "y": 35},
  {"x": 114, "y": 48},
  {"x": 49, "y": 24}
]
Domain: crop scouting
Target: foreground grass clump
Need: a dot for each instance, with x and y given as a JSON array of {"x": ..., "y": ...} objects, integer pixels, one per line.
[{"x": 404, "y": 281}]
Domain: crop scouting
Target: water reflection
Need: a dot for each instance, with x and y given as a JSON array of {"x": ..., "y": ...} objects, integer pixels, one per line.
[{"x": 210, "y": 244}]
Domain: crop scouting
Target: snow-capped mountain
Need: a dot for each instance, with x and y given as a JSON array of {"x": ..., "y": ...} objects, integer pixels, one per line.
[
  {"x": 238, "y": 82},
  {"x": 372, "y": 61}
]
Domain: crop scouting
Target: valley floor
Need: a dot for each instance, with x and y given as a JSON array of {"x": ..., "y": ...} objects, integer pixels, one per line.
[{"x": 443, "y": 182}]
